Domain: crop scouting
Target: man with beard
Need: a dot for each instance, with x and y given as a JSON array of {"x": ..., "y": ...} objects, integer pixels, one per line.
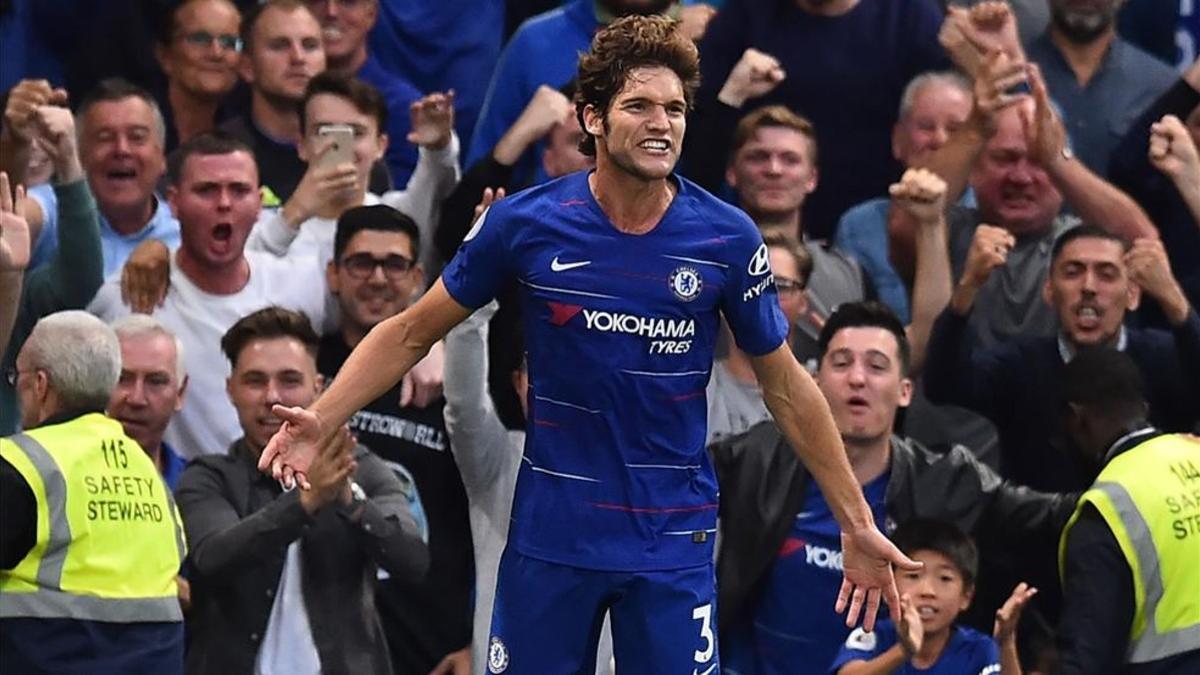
[
  {"x": 544, "y": 50},
  {"x": 375, "y": 275},
  {"x": 1101, "y": 81},
  {"x": 624, "y": 274},
  {"x": 1094, "y": 281}
]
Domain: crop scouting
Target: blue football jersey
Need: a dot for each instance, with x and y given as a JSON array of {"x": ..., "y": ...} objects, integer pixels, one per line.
[
  {"x": 968, "y": 652},
  {"x": 620, "y": 331}
]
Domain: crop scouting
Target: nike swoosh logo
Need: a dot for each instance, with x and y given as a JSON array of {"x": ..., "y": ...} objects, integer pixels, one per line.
[
  {"x": 706, "y": 670},
  {"x": 557, "y": 266}
]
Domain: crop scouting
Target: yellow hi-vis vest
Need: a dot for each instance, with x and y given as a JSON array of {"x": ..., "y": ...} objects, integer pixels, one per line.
[
  {"x": 109, "y": 539},
  {"x": 1149, "y": 496}
]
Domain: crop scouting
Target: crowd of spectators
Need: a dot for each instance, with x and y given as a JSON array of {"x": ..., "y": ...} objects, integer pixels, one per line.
[{"x": 960, "y": 201}]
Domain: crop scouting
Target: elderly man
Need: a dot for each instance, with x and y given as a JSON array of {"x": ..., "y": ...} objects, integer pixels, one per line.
[
  {"x": 283, "y": 582},
  {"x": 120, "y": 146},
  {"x": 1093, "y": 282},
  {"x": 91, "y": 541},
  {"x": 150, "y": 390}
]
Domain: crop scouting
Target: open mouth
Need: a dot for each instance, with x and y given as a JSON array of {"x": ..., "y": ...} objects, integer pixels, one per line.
[
  {"x": 223, "y": 232},
  {"x": 1087, "y": 316},
  {"x": 121, "y": 175},
  {"x": 655, "y": 145},
  {"x": 858, "y": 404},
  {"x": 331, "y": 33},
  {"x": 927, "y": 612}
]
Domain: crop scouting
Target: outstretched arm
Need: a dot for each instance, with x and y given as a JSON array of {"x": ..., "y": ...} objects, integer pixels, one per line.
[
  {"x": 803, "y": 415},
  {"x": 380, "y": 360}
]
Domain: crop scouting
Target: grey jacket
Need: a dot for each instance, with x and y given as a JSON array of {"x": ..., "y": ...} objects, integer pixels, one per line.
[{"x": 240, "y": 523}]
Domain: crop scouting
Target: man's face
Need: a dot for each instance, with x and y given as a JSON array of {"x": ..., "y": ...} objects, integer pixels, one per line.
[
  {"x": 1013, "y": 191},
  {"x": 327, "y": 109},
  {"x": 369, "y": 292},
  {"x": 642, "y": 131},
  {"x": 216, "y": 203},
  {"x": 861, "y": 379},
  {"x": 285, "y": 52},
  {"x": 562, "y": 155},
  {"x": 202, "y": 58},
  {"x": 271, "y": 371},
  {"x": 149, "y": 391},
  {"x": 1089, "y": 288},
  {"x": 122, "y": 154},
  {"x": 792, "y": 299},
  {"x": 1082, "y": 21},
  {"x": 773, "y": 172},
  {"x": 938, "y": 110},
  {"x": 937, "y": 590},
  {"x": 344, "y": 25}
]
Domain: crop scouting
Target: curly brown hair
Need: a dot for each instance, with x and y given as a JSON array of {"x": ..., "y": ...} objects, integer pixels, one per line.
[{"x": 626, "y": 44}]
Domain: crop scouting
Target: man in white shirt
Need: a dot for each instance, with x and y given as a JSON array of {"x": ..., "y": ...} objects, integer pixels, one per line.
[
  {"x": 214, "y": 281},
  {"x": 308, "y": 220}
]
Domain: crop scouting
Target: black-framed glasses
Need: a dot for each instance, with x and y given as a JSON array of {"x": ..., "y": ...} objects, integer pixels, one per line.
[
  {"x": 362, "y": 265},
  {"x": 204, "y": 39},
  {"x": 785, "y": 285}
]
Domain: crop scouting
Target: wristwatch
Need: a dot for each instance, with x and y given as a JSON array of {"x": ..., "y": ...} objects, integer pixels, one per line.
[{"x": 358, "y": 498}]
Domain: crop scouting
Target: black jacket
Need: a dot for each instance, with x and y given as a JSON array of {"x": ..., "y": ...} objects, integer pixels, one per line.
[
  {"x": 763, "y": 485},
  {"x": 240, "y": 523}
]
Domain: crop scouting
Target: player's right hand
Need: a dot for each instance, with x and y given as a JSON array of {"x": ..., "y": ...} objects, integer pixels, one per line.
[{"x": 291, "y": 451}]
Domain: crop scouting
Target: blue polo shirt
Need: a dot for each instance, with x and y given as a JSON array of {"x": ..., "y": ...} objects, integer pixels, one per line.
[
  {"x": 116, "y": 246},
  {"x": 968, "y": 652}
]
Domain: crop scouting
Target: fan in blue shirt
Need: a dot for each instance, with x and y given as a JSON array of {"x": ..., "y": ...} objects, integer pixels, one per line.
[
  {"x": 926, "y": 639},
  {"x": 623, "y": 274}
]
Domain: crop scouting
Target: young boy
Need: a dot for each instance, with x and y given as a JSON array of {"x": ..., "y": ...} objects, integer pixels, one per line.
[{"x": 925, "y": 639}]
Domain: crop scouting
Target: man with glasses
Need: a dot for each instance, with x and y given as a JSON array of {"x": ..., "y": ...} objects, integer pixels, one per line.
[
  {"x": 375, "y": 275},
  {"x": 199, "y": 52}
]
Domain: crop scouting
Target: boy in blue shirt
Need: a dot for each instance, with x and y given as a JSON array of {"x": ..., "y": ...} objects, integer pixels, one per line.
[{"x": 926, "y": 639}]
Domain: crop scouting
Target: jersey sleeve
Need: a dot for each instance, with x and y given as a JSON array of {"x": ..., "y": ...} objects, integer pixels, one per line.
[
  {"x": 483, "y": 262},
  {"x": 749, "y": 300},
  {"x": 988, "y": 662},
  {"x": 863, "y": 646}
]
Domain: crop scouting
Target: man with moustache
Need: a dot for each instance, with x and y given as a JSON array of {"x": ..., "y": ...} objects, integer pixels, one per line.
[
  {"x": 1101, "y": 80},
  {"x": 214, "y": 281},
  {"x": 1094, "y": 280}
]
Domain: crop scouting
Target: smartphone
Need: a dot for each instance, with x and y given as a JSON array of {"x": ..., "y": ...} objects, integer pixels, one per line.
[{"x": 340, "y": 139}]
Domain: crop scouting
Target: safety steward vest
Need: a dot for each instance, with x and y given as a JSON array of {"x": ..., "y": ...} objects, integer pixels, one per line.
[
  {"x": 109, "y": 539},
  {"x": 1149, "y": 496}
]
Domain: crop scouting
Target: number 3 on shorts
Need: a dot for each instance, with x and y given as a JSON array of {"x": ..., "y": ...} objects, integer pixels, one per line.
[{"x": 703, "y": 614}]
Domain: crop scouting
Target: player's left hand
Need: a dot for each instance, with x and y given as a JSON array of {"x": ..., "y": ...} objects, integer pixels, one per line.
[{"x": 867, "y": 560}]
